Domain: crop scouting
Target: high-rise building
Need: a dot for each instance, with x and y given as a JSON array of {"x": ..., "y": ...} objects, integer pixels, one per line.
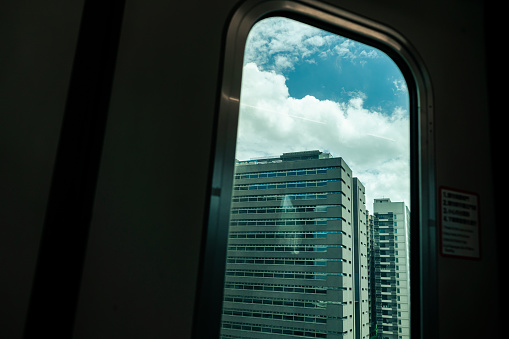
[
  {"x": 371, "y": 273},
  {"x": 392, "y": 268},
  {"x": 360, "y": 260},
  {"x": 294, "y": 264}
]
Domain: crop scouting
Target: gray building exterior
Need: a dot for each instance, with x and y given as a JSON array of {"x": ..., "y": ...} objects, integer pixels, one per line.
[
  {"x": 296, "y": 260},
  {"x": 392, "y": 268},
  {"x": 360, "y": 260},
  {"x": 370, "y": 225}
]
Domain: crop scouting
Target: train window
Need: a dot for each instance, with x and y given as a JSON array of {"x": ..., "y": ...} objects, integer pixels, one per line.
[{"x": 316, "y": 171}]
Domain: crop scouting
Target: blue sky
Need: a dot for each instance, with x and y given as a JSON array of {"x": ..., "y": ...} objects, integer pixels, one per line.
[
  {"x": 304, "y": 89},
  {"x": 336, "y": 79}
]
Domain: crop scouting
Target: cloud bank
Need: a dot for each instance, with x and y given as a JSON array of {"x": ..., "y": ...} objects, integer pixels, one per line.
[
  {"x": 279, "y": 44},
  {"x": 374, "y": 143}
]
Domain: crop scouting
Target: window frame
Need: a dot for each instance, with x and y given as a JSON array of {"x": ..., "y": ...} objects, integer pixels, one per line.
[{"x": 423, "y": 261}]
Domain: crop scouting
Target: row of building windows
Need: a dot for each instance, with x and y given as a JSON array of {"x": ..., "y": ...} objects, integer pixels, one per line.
[
  {"x": 283, "y": 185},
  {"x": 388, "y": 275},
  {"x": 386, "y": 246},
  {"x": 282, "y": 274},
  {"x": 382, "y": 252},
  {"x": 321, "y": 304},
  {"x": 283, "y": 248},
  {"x": 276, "y": 330},
  {"x": 388, "y": 237},
  {"x": 282, "y": 209},
  {"x": 317, "y": 319},
  {"x": 283, "y": 222},
  {"x": 284, "y": 173},
  {"x": 384, "y": 216},
  {"x": 390, "y": 305},
  {"x": 387, "y": 259},
  {"x": 386, "y": 231},
  {"x": 280, "y": 197},
  {"x": 280, "y": 261},
  {"x": 282, "y": 235},
  {"x": 384, "y": 223},
  {"x": 277, "y": 288}
]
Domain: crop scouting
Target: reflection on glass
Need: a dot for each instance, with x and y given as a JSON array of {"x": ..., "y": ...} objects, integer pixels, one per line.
[{"x": 323, "y": 136}]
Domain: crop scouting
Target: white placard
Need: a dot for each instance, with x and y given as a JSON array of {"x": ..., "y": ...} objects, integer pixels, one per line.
[{"x": 459, "y": 220}]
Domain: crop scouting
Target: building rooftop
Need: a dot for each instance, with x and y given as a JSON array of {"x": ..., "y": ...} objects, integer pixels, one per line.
[{"x": 290, "y": 156}]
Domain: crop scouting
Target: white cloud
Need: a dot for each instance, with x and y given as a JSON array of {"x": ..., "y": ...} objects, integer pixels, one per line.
[
  {"x": 400, "y": 86},
  {"x": 370, "y": 55},
  {"x": 291, "y": 41},
  {"x": 283, "y": 62},
  {"x": 315, "y": 41},
  {"x": 374, "y": 145},
  {"x": 282, "y": 36},
  {"x": 344, "y": 49}
]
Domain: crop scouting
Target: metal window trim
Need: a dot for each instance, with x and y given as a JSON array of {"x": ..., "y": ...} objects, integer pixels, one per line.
[{"x": 209, "y": 298}]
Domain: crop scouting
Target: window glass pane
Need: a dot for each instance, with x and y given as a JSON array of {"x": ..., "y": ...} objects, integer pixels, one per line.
[{"x": 322, "y": 172}]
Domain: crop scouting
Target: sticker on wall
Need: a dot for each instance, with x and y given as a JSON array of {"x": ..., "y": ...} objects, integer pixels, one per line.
[{"x": 459, "y": 224}]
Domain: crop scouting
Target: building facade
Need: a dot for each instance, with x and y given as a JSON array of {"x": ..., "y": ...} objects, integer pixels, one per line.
[
  {"x": 360, "y": 260},
  {"x": 370, "y": 228},
  {"x": 294, "y": 264},
  {"x": 391, "y": 268}
]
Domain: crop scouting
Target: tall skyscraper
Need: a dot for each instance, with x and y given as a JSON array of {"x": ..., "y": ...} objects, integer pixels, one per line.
[
  {"x": 370, "y": 228},
  {"x": 360, "y": 260},
  {"x": 294, "y": 263},
  {"x": 392, "y": 268}
]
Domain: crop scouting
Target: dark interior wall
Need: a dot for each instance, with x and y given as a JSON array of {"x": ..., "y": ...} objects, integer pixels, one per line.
[
  {"x": 141, "y": 265},
  {"x": 37, "y": 44},
  {"x": 494, "y": 33},
  {"x": 144, "y": 246}
]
